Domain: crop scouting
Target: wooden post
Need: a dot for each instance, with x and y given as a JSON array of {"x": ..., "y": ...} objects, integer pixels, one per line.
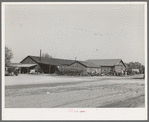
[
  {"x": 49, "y": 68},
  {"x": 20, "y": 70},
  {"x": 55, "y": 68}
]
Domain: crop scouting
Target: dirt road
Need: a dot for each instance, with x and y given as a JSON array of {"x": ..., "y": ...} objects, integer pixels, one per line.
[{"x": 28, "y": 91}]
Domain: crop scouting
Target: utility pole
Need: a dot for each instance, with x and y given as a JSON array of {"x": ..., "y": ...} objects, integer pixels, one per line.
[
  {"x": 40, "y": 55},
  {"x": 97, "y": 52}
]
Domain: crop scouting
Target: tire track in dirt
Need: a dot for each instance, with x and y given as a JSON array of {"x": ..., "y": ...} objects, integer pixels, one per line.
[
  {"x": 57, "y": 84},
  {"x": 76, "y": 94},
  {"x": 43, "y": 90},
  {"x": 131, "y": 102},
  {"x": 113, "y": 92}
]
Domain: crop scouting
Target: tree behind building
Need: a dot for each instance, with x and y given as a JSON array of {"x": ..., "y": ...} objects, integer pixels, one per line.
[
  {"x": 8, "y": 55},
  {"x": 46, "y": 55}
]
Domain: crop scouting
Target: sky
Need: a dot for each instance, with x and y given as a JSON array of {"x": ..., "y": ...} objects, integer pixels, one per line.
[{"x": 84, "y": 31}]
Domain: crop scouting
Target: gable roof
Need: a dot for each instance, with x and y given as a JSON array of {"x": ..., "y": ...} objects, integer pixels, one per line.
[
  {"x": 105, "y": 62},
  {"x": 50, "y": 61},
  {"x": 88, "y": 64}
]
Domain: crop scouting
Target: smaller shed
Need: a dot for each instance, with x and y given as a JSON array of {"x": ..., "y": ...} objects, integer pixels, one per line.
[{"x": 85, "y": 67}]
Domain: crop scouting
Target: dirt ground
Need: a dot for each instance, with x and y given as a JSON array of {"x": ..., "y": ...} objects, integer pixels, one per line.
[{"x": 45, "y": 91}]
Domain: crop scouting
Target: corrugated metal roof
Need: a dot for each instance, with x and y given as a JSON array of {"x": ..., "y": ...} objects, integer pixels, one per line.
[
  {"x": 89, "y": 64},
  {"x": 14, "y": 63},
  {"x": 51, "y": 61},
  {"x": 22, "y": 65},
  {"x": 104, "y": 62}
]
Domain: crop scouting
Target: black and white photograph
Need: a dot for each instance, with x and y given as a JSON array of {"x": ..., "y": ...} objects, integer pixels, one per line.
[{"x": 74, "y": 59}]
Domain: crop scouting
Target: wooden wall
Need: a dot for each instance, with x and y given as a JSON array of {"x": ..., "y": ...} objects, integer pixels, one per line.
[
  {"x": 106, "y": 69},
  {"x": 98, "y": 70},
  {"x": 28, "y": 60},
  {"x": 119, "y": 67},
  {"x": 76, "y": 66},
  {"x": 79, "y": 67}
]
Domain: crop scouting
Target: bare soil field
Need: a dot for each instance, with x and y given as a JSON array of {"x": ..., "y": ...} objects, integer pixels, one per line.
[{"x": 45, "y": 91}]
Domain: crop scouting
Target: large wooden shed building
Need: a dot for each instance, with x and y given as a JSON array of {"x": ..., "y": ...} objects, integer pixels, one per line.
[
  {"x": 50, "y": 65},
  {"x": 46, "y": 65}
]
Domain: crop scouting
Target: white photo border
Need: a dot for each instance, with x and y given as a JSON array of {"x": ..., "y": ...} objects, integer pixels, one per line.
[{"x": 64, "y": 113}]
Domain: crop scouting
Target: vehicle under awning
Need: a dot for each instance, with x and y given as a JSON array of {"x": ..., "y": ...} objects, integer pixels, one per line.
[
  {"x": 23, "y": 65},
  {"x": 23, "y": 68}
]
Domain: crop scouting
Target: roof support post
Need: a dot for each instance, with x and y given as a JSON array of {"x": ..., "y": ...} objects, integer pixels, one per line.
[
  {"x": 28, "y": 70},
  {"x": 55, "y": 68},
  {"x": 49, "y": 68}
]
